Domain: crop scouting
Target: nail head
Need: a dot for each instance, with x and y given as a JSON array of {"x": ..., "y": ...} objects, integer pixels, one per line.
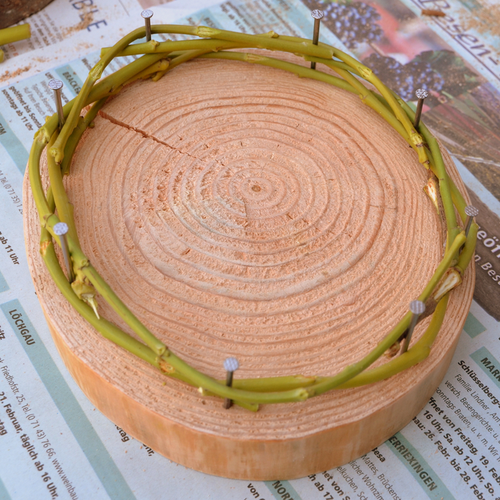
[
  {"x": 471, "y": 211},
  {"x": 60, "y": 229},
  {"x": 317, "y": 14},
  {"x": 417, "y": 307},
  {"x": 147, "y": 14},
  {"x": 422, "y": 93},
  {"x": 231, "y": 364},
  {"x": 55, "y": 84}
]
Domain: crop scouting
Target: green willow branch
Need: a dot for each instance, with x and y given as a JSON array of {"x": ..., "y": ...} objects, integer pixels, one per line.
[
  {"x": 74, "y": 138},
  {"x": 417, "y": 353},
  {"x": 15, "y": 34},
  {"x": 157, "y": 60}
]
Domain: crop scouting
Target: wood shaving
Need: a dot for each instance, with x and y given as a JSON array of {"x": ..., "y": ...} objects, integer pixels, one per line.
[
  {"x": 486, "y": 19},
  {"x": 435, "y": 13},
  {"x": 87, "y": 19},
  {"x": 8, "y": 75}
]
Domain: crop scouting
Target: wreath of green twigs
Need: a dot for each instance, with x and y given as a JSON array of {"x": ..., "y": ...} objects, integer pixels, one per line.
[{"x": 156, "y": 59}]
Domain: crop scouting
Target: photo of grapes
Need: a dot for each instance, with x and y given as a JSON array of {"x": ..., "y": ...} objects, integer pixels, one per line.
[
  {"x": 463, "y": 109},
  {"x": 368, "y": 30}
]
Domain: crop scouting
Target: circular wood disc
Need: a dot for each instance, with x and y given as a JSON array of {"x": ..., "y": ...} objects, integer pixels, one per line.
[{"x": 241, "y": 211}]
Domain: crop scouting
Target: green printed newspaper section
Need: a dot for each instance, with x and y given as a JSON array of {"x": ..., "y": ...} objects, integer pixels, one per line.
[
  {"x": 419, "y": 468},
  {"x": 473, "y": 326},
  {"x": 3, "y": 284},
  {"x": 488, "y": 363},
  {"x": 282, "y": 490},
  {"x": 13, "y": 146},
  {"x": 70, "y": 78},
  {"x": 4, "y": 494}
]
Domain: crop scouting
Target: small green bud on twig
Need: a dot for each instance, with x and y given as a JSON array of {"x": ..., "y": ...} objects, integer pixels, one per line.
[{"x": 91, "y": 301}]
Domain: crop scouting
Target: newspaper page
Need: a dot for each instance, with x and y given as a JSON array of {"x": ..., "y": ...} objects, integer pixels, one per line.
[
  {"x": 55, "y": 444},
  {"x": 64, "y": 31},
  {"x": 61, "y": 29}
]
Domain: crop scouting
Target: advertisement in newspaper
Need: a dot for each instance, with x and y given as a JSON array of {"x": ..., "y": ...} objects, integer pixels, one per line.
[{"x": 50, "y": 434}]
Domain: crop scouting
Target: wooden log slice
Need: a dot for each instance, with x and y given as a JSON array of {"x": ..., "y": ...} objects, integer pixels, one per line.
[{"x": 241, "y": 211}]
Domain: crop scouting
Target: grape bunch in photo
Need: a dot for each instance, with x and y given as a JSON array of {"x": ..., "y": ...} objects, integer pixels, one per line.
[
  {"x": 352, "y": 23},
  {"x": 405, "y": 79}
]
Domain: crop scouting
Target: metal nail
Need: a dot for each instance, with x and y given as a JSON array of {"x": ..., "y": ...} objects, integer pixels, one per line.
[
  {"x": 60, "y": 229},
  {"x": 421, "y": 94},
  {"x": 317, "y": 15},
  {"x": 147, "y": 15},
  {"x": 417, "y": 307},
  {"x": 56, "y": 86},
  {"x": 230, "y": 365},
  {"x": 471, "y": 212}
]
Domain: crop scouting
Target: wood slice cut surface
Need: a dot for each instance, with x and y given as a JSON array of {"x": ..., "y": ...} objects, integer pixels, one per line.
[{"x": 240, "y": 211}]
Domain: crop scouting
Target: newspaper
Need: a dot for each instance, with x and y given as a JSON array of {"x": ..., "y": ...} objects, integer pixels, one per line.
[
  {"x": 64, "y": 31},
  {"x": 55, "y": 444}
]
